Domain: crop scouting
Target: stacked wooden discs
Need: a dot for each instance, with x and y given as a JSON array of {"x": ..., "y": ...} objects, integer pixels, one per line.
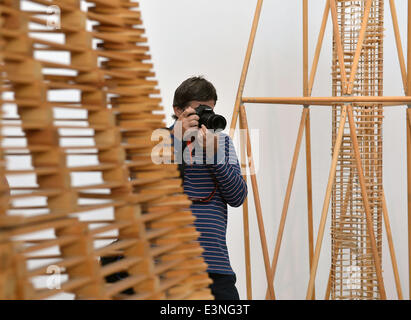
[
  {"x": 77, "y": 133},
  {"x": 353, "y": 272}
]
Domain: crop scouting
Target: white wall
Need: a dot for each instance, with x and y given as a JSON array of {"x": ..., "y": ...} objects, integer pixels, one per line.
[{"x": 209, "y": 37}]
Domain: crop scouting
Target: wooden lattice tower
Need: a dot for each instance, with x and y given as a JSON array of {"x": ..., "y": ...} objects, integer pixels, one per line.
[
  {"x": 359, "y": 209},
  {"x": 353, "y": 274},
  {"x": 86, "y": 187}
]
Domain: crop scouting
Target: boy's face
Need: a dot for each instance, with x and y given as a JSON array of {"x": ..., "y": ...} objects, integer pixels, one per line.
[{"x": 194, "y": 104}]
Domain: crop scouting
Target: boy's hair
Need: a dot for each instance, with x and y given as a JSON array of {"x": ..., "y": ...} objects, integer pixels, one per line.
[{"x": 194, "y": 88}]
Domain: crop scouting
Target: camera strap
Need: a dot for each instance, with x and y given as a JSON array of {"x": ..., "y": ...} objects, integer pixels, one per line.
[{"x": 181, "y": 168}]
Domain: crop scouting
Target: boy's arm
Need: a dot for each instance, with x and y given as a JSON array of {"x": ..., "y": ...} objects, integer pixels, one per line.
[{"x": 228, "y": 173}]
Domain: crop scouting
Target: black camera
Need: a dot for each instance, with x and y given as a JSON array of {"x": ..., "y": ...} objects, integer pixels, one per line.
[{"x": 210, "y": 119}]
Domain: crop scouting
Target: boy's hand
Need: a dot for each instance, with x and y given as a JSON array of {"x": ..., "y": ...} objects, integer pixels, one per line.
[
  {"x": 188, "y": 122},
  {"x": 207, "y": 140}
]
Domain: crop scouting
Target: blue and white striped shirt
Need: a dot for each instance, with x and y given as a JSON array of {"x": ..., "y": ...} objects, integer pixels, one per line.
[{"x": 211, "y": 216}]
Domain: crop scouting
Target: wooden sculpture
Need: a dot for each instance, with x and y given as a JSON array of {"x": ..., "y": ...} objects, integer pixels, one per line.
[
  {"x": 353, "y": 272},
  {"x": 355, "y": 185},
  {"x": 57, "y": 223}
]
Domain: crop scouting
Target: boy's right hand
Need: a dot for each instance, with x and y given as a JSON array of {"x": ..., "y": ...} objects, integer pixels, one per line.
[{"x": 188, "y": 122}]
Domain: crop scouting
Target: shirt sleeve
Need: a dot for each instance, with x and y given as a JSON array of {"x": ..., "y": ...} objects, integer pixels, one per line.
[{"x": 228, "y": 173}]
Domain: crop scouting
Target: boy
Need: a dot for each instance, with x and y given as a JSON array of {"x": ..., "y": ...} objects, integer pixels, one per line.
[{"x": 211, "y": 179}]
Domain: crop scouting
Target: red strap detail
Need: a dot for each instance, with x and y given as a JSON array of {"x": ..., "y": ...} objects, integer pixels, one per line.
[
  {"x": 207, "y": 199},
  {"x": 191, "y": 151}
]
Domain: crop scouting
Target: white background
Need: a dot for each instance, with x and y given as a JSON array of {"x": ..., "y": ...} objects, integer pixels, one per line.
[{"x": 209, "y": 37}]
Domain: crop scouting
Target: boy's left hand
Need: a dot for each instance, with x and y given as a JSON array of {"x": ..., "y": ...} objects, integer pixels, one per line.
[{"x": 207, "y": 140}]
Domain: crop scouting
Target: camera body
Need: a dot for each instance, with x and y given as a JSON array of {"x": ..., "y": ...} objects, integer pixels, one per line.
[{"x": 209, "y": 119}]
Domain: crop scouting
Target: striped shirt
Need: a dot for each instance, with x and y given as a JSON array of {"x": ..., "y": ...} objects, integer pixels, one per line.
[{"x": 201, "y": 174}]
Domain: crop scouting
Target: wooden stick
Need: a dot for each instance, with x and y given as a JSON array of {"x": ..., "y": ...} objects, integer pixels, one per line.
[
  {"x": 326, "y": 100},
  {"x": 399, "y": 44},
  {"x": 245, "y": 67},
  {"x": 408, "y": 124},
  {"x": 409, "y": 54},
  {"x": 245, "y": 213},
  {"x": 326, "y": 204},
  {"x": 339, "y": 47},
  {"x": 305, "y": 47},
  {"x": 309, "y": 192},
  {"x": 360, "y": 43},
  {"x": 258, "y": 209},
  {"x": 364, "y": 194},
  {"x": 288, "y": 193},
  {"x": 318, "y": 47},
  {"x": 391, "y": 246},
  {"x": 409, "y": 144},
  {"x": 328, "y": 290},
  {"x": 307, "y": 92}
]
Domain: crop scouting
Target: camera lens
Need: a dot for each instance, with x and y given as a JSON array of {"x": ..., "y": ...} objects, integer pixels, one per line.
[
  {"x": 210, "y": 119},
  {"x": 217, "y": 123}
]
